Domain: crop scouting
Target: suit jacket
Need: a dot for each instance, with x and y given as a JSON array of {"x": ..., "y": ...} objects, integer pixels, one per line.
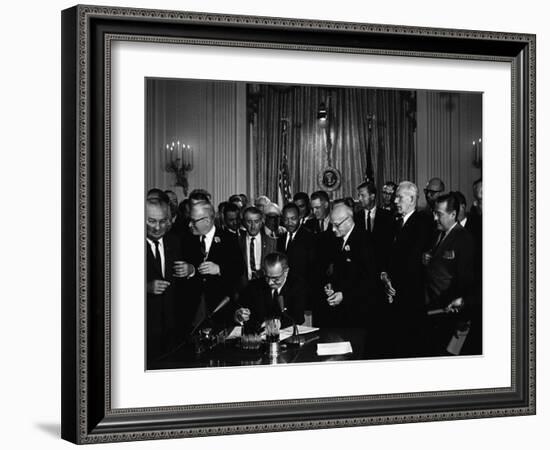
[
  {"x": 181, "y": 226},
  {"x": 428, "y": 216},
  {"x": 382, "y": 233},
  {"x": 324, "y": 243},
  {"x": 450, "y": 272},
  {"x": 225, "y": 252},
  {"x": 164, "y": 311},
  {"x": 354, "y": 274},
  {"x": 474, "y": 225},
  {"x": 301, "y": 253},
  {"x": 312, "y": 224},
  {"x": 404, "y": 263},
  {"x": 269, "y": 245},
  {"x": 257, "y": 297}
]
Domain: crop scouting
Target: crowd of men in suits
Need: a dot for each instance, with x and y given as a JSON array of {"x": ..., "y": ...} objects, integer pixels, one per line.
[{"x": 411, "y": 278}]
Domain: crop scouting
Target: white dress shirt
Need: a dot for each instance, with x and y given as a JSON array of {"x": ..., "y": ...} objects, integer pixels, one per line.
[
  {"x": 161, "y": 250},
  {"x": 346, "y": 237},
  {"x": 290, "y": 237},
  {"x": 326, "y": 224},
  {"x": 208, "y": 238},
  {"x": 372, "y": 215},
  {"x": 257, "y": 253},
  {"x": 406, "y": 216}
]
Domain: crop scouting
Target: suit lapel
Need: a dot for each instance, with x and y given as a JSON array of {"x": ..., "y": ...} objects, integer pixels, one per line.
[
  {"x": 167, "y": 257},
  {"x": 214, "y": 246},
  {"x": 378, "y": 219},
  {"x": 447, "y": 241},
  {"x": 264, "y": 246},
  {"x": 352, "y": 237},
  {"x": 242, "y": 245},
  {"x": 151, "y": 262}
]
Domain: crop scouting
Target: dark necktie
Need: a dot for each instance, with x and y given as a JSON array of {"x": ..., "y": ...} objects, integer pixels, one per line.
[
  {"x": 203, "y": 245},
  {"x": 368, "y": 221},
  {"x": 399, "y": 226},
  {"x": 289, "y": 241},
  {"x": 400, "y": 222},
  {"x": 341, "y": 243},
  {"x": 439, "y": 240},
  {"x": 252, "y": 257},
  {"x": 158, "y": 261}
]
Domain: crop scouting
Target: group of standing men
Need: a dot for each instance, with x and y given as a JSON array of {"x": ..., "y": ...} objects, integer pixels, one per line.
[{"x": 411, "y": 278}]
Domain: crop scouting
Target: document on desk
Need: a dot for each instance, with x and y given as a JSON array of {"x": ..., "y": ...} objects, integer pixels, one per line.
[
  {"x": 234, "y": 333},
  {"x": 302, "y": 329},
  {"x": 334, "y": 348},
  {"x": 283, "y": 333}
]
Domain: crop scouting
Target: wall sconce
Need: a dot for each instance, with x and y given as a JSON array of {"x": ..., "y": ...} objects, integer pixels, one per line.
[
  {"x": 179, "y": 157},
  {"x": 322, "y": 113},
  {"x": 477, "y": 153}
]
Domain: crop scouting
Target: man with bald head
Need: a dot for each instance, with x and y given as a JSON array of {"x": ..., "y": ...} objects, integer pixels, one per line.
[
  {"x": 434, "y": 189},
  {"x": 278, "y": 293},
  {"x": 164, "y": 276},
  {"x": 261, "y": 202},
  {"x": 214, "y": 262},
  {"x": 403, "y": 274},
  {"x": 350, "y": 287}
]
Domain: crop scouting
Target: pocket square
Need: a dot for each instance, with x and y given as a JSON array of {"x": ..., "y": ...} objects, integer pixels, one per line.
[{"x": 449, "y": 254}]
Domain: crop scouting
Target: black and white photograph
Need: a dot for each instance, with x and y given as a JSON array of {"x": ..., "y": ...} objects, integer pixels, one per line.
[
  {"x": 292, "y": 224},
  {"x": 337, "y": 217}
]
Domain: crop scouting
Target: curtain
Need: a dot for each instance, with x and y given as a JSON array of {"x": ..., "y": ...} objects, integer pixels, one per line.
[{"x": 391, "y": 114}]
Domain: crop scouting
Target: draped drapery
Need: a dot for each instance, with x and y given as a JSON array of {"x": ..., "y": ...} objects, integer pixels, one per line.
[{"x": 391, "y": 114}]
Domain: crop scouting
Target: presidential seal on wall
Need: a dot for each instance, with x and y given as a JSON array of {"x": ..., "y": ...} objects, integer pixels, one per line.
[{"x": 329, "y": 179}]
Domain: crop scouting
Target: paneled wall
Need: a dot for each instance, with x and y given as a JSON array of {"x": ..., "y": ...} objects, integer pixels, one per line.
[
  {"x": 209, "y": 116},
  {"x": 447, "y": 124}
]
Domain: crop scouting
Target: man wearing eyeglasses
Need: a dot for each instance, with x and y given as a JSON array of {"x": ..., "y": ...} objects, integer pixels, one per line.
[
  {"x": 279, "y": 293},
  {"x": 434, "y": 189},
  {"x": 212, "y": 261},
  {"x": 350, "y": 289},
  {"x": 388, "y": 195}
]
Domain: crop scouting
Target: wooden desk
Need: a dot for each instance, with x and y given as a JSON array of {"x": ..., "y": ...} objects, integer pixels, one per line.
[{"x": 230, "y": 354}]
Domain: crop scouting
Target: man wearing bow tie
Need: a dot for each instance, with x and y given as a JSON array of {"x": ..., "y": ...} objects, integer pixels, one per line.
[{"x": 350, "y": 290}]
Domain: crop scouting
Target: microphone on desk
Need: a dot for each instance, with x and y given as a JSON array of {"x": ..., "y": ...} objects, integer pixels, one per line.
[
  {"x": 224, "y": 301},
  {"x": 295, "y": 338}
]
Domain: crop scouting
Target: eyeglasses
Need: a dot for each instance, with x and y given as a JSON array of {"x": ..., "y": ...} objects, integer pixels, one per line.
[
  {"x": 196, "y": 221},
  {"x": 275, "y": 279},
  {"x": 431, "y": 191},
  {"x": 337, "y": 225},
  {"x": 154, "y": 222}
]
